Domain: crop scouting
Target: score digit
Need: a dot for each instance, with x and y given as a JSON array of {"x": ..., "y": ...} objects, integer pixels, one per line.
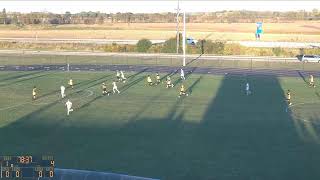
[
  {"x": 17, "y": 173},
  {"x": 25, "y": 159},
  {"x": 40, "y": 174},
  {"x": 21, "y": 159},
  {"x": 51, "y": 173},
  {"x": 7, "y": 174}
]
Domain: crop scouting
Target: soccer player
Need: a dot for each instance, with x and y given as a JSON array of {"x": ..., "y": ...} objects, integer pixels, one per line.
[
  {"x": 69, "y": 107},
  {"x": 123, "y": 79},
  {"x": 104, "y": 89},
  {"x": 62, "y": 88},
  {"x": 248, "y": 92},
  {"x": 115, "y": 87},
  {"x": 149, "y": 80},
  {"x": 182, "y": 74},
  {"x": 71, "y": 83},
  {"x": 158, "y": 78},
  {"x": 311, "y": 81},
  {"x": 34, "y": 93},
  {"x": 289, "y": 97},
  {"x": 118, "y": 76},
  {"x": 182, "y": 91},
  {"x": 169, "y": 84}
]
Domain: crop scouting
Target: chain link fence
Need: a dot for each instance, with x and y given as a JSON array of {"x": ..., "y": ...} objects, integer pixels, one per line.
[{"x": 159, "y": 60}]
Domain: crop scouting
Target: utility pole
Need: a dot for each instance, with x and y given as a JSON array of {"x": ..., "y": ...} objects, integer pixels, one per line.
[
  {"x": 177, "y": 27},
  {"x": 184, "y": 39}
]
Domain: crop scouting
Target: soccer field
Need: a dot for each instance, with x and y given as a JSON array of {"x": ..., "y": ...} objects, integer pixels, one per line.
[{"x": 217, "y": 132}]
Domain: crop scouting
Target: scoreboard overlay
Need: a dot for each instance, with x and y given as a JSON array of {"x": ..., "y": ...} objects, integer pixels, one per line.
[{"x": 21, "y": 167}]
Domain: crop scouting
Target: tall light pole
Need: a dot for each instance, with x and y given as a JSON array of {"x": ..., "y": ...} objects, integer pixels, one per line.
[
  {"x": 184, "y": 39},
  {"x": 177, "y": 27}
]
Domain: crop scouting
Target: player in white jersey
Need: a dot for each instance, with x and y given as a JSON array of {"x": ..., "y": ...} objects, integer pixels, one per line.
[
  {"x": 311, "y": 81},
  {"x": 169, "y": 84},
  {"x": 118, "y": 75},
  {"x": 182, "y": 74},
  {"x": 69, "y": 107},
  {"x": 115, "y": 87},
  {"x": 248, "y": 92},
  {"x": 62, "y": 88},
  {"x": 123, "y": 79}
]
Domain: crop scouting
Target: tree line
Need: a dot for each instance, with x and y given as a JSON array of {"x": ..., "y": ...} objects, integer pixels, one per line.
[{"x": 90, "y": 17}]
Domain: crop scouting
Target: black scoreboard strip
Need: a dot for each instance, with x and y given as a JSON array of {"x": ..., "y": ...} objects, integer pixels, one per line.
[{"x": 26, "y": 167}]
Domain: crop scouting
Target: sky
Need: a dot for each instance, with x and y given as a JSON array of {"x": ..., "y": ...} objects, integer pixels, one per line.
[{"x": 154, "y": 6}]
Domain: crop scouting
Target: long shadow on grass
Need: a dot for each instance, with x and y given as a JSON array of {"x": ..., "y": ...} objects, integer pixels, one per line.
[
  {"x": 194, "y": 59},
  {"x": 156, "y": 97},
  {"x": 190, "y": 88},
  {"x": 189, "y": 73},
  {"x": 237, "y": 137},
  {"x": 138, "y": 73},
  {"x": 25, "y": 79},
  {"x": 123, "y": 88},
  {"x": 253, "y": 136},
  {"x": 89, "y": 81},
  {"x": 19, "y": 75},
  {"x": 81, "y": 85},
  {"x": 132, "y": 83},
  {"x": 303, "y": 78}
]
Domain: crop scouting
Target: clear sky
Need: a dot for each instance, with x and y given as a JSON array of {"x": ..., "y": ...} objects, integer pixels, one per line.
[{"x": 154, "y": 6}]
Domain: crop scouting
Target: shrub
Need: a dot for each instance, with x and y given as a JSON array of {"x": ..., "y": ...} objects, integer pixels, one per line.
[
  {"x": 210, "y": 47},
  {"x": 234, "y": 49},
  {"x": 277, "y": 51},
  {"x": 170, "y": 46},
  {"x": 143, "y": 45}
]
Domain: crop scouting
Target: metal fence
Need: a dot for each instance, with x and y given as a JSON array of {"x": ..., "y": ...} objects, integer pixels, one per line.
[{"x": 159, "y": 60}]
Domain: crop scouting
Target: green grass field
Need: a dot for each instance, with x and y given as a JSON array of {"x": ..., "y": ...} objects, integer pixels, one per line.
[{"x": 216, "y": 132}]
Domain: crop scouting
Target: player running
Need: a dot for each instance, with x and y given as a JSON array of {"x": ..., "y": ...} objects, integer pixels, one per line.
[
  {"x": 169, "y": 84},
  {"x": 104, "y": 89},
  {"x": 149, "y": 80},
  {"x": 158, "y": 78},
  {"x": 182, "y": 91},
  {"x": 289, "y": 97},
  {"x": 248, "y": 92},
  {"x": 123, "y": 79},
  {"x": 115, "y": 87},
  {"x": 182, "y": 74},
  {"x": 71, "y": 83},
  {"x": 69, "y": 107},
  {"x": 118, "y": 76},
  {"x": 34, "y": 93},
  {"x": 311, "y": 81},
  {"x": 62, "y": 89}
]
